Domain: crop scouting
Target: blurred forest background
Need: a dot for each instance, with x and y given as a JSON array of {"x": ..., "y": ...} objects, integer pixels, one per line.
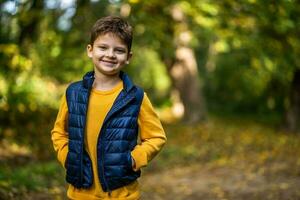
[{"x": 224, "y": 76}]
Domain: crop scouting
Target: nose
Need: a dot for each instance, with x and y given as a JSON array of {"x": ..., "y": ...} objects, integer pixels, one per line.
[{"x": 110, "y": 53}]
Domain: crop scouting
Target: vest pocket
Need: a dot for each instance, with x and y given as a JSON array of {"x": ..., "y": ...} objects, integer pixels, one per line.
[
  {"x": 73, "y": 170},
  {"x": 129, "y": 161},
  {"x": 66, "y": 160},
  {"x": 87, "y": 170}
]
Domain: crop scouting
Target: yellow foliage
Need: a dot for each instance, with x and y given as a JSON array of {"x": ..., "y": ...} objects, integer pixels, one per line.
[
  {"x": 207, "y": 22},
  {"x": 21, "y": 107},
  {"x": 20, "y": 62},
  {"x": 209, "y": 8},
  {"x": 221, "y": 46},
  {"x": 9, "y": 49},
  {"x": 12, "y": 149},
  {"x": 255, "y": 63},
  {"x": 133, "y": 1},
  {"x": 269, "y": 64},
  {"x": 222, "y": 161}
]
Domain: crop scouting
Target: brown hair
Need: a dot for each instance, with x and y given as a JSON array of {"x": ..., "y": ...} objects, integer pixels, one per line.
[{"x": 115, "y": 25}]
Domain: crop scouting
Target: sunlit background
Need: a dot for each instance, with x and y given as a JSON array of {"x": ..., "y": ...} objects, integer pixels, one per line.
[{"x": 224, "y": 77}]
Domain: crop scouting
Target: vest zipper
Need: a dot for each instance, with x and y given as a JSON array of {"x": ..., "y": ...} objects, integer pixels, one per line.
[
  {"x": 105, "y": 183},
  {"x": 102, "y": 164},
  {"x": 82, "y": 146}
]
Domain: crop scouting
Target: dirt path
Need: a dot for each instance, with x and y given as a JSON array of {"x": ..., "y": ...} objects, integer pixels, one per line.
[
  {"x": 234, "y": 183},
  {"x": 211, "y": 182}
]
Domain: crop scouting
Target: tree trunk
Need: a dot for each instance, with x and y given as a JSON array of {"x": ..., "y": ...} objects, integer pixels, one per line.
[
  {"x": 292, "y": 114},
  {"x": 184, "y": 75}
]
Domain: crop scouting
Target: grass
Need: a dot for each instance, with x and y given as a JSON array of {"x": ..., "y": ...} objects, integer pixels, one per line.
[{"x": 16, "y": 181}]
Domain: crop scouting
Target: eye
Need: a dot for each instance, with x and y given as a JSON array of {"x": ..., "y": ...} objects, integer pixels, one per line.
[
  {"x": 120, "y": 51},
  {"x": 102, "y": 47}
]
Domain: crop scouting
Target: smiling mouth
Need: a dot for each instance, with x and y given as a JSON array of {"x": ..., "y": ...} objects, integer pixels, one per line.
[{"x": 108, "y": 63}]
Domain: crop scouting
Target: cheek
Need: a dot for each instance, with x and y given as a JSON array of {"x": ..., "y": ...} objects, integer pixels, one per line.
[
  {"x": 122, "y": 59},
  {"x": 98, "y": 53},
  {"x": 123, "y": 62}
]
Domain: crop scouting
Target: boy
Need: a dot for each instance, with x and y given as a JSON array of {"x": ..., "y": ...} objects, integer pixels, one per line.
[{"x": 96, "y": 130}]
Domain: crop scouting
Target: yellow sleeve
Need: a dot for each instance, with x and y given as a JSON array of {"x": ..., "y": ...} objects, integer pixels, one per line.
[
  {"x": 59, "y": 134},
  {"x": 152, "y": 135}
]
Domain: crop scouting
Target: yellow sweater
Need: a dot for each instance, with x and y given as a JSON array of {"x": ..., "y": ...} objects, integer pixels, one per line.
[{"x": 152, "y": 138}]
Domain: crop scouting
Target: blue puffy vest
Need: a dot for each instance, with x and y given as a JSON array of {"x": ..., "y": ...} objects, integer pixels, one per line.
[{"x": 117, "y": 137}]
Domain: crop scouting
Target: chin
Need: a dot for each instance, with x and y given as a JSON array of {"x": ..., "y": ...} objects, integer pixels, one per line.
[{"x": 111, "y": 72}]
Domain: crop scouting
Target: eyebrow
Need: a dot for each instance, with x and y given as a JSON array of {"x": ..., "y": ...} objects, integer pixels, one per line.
[{"x": 105, "y": 44}]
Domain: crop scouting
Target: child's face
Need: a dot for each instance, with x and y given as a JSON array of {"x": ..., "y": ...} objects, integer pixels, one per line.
[{"x": 109, "y": 54}]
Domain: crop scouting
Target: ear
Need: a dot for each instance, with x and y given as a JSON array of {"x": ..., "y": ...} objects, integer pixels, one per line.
[
  {"x": 89, "y": 50},
  {"x": 129, "y": 56}
]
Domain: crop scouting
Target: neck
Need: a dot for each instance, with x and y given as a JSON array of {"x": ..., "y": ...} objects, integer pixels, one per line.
[{"x": 103, "y": 82}]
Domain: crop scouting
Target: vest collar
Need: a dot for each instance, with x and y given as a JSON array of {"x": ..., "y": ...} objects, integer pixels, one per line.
[
  {"x": 128, "y": 84},
  {"x": 89, "y": 78}
]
